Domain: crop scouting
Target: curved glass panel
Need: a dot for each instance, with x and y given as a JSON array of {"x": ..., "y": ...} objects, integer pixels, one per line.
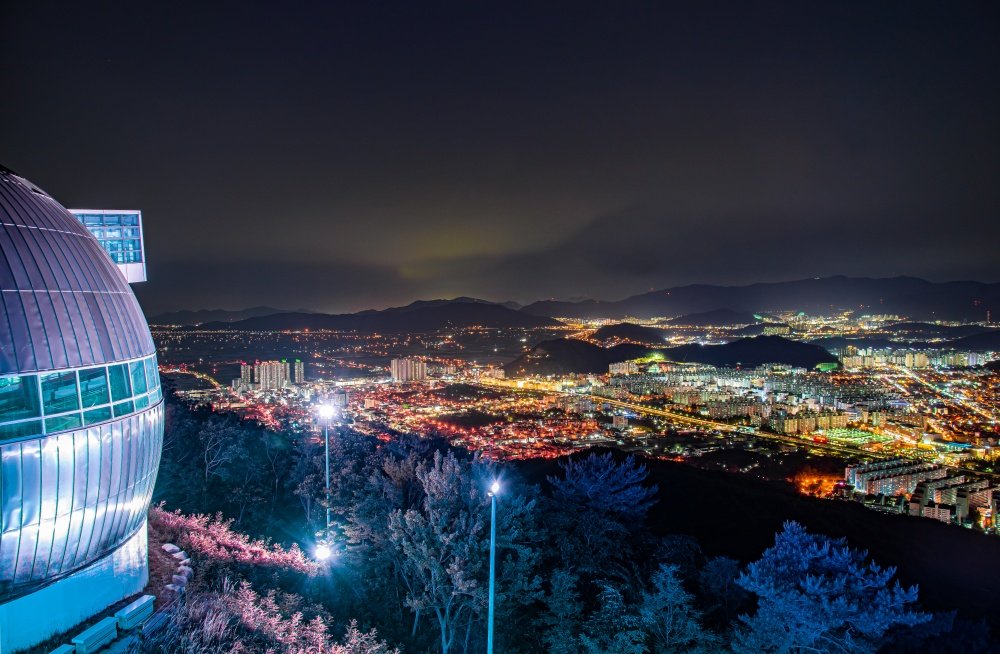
[
  {"x": 58, "y": 397},
  {"x": 71, "y": 498}
]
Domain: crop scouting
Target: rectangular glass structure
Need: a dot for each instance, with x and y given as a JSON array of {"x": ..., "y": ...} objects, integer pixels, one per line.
[{"x": 120, "y": 234}]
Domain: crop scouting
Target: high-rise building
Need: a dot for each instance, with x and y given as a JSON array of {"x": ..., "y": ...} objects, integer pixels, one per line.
[
  {"x": 246, "y": 374},
  {"x": 624, "y": 368},
  {"x": 119, "y": 231},
  {"x": 298, "y": 372},
  {"x": 408, "y": 370},
  {"x": 81, "y": 422},
  {"x": 272, "y": 375}
]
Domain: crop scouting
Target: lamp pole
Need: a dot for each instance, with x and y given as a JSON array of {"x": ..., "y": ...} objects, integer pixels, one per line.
[
  {"x": 326, "y": 413},
  {"x": 326, "y": 448},
  {"x": 494, "y": 489}
]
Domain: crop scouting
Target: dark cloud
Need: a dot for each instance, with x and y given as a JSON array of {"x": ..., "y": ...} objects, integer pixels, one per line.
[
  {"x": 415, "y": 150},
  {"x": 239, "y": 284}
]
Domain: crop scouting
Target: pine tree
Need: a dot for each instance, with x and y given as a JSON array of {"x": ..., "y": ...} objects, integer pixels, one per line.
[
  {"x": 613, "y": 628},
  {"x": 561, "y": 620},
  {"x": 816, "y": 594},
  {"x": 668, "y": 615}
]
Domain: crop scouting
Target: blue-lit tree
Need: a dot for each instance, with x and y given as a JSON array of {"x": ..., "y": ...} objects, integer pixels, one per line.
[
  {"x": 442, "y": 544},
  {"x": 560, "y": 621},
  {"x": 600, "y": 483},
  {"x": 718, "y": 588},
  {"x": 816, "y": 594},
  {"x": 614, "y": 628},
  {"x": 668, "y": 615},
  {"x": 598, "y": 509}
]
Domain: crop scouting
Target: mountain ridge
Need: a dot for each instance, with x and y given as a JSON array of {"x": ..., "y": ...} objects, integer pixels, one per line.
[
  {"x": 200, "y": 316},
  {"x": 419, "y": 316},
  {"x": 906, "y": 296}
]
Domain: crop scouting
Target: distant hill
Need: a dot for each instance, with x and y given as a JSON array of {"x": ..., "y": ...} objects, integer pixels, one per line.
[
  {"x": 629, "y": 331},
  {"x": 201, "y": 316},
  {"x": 753, "y": 352},
  {"x": 985, "y": 342},
  {"x": 715, "y": 318},
  {"x": 930, "y": 330},
  {"x": 422, "y": 316},
  {"x": 906, "y": 296},
  {"x": 756, "y": 329},
  {"x": 832, "y": 343},
  {"x": 568, "y": 356},
  {"x": 988, "y": 341},
  {"x": 562, "y": 356}
]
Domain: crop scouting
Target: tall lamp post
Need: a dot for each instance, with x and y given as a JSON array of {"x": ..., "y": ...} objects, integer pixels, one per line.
[
  {"x": 494, "y": 491},
  {"x": 326, "y": 413}
]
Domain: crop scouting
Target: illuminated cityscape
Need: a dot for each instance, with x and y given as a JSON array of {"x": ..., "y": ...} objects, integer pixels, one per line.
[
  {"x": 933, "y": 408},
  {"x": 511, "y": 328}
]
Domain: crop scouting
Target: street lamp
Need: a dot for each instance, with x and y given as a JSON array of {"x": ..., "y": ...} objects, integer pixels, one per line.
[
  {"x": 323, "y": 552},
  {"x": 326, "y": 412},
  {"x": 494, "y": 491}
]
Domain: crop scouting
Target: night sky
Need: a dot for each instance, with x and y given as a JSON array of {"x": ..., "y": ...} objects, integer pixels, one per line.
[{"x": 339, "y": 158}]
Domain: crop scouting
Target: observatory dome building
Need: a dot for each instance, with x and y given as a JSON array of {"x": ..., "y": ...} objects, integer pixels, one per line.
[{"x": 81, "y": 422}]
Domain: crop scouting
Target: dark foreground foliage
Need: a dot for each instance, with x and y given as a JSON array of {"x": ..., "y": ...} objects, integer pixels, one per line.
[{"x": 579, "y": 570}]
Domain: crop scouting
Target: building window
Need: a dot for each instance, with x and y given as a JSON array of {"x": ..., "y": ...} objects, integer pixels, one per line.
[
  {"x": 95, "y": 416},
  {"x": 120, "y": 389},
  {"x": 59, "y": 396},
  {"x": 138, "y": 374},
  {"x": 62, "y": 423},
  {"x": 59, "y": 392},
  {"x": 19, "y": 398},
  {"x": 94, "y": 387}
]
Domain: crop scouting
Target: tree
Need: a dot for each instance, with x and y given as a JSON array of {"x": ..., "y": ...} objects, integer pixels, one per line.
[
  {"x": 717, "y": 582},
  {"x": 600, "y": 483},
  {"x": 816, "y": 594},
  {"x": 598, "y": 512},
  {"x": 306, "y": 479},
  {"x": 243, "y": 476},
  {"x": 561, "y": 620},
  {"x": 217, "y": 440},
  {"x": 669, "y": 617},
  {"x": 682, "y": 551},
  {"x": 442, "y": 547},
  {"x": 613, "y": 628}
]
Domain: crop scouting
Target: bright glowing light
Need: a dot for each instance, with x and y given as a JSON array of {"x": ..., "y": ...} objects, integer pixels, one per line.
[
  {"x": 323, "y": 552},
  {"x": 495, "y": 488},
  {"x": 325, "y": 411}
]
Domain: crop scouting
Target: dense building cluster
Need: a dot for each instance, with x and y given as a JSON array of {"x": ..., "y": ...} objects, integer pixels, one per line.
[{"x": 927, "y": 490}]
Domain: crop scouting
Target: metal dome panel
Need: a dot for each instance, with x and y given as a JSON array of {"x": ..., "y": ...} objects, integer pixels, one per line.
[{"x": 64, "y": 303}]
